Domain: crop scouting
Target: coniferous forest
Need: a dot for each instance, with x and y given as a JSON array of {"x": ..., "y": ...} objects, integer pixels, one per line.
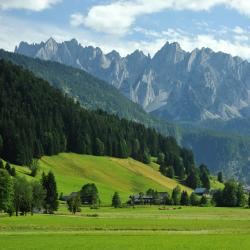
[{"x": 37, "y": 120}]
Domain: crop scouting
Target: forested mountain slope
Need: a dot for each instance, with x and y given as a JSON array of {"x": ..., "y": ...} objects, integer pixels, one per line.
[
  {"x": 37, "y": 119},
  {"x": 219, "y": 150}
]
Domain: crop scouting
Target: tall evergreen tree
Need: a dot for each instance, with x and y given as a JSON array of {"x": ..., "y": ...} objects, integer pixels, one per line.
[
  {"x": 204, "y": 176},
  {"x": 51, "y": 195},
  {"x": 241, "y": 201},
  {"x": 170, "y": 172},
  {"x": 99, "y": 147},
  {"x": 193, "y": 179},
  {"x": 184, "y": 198},
  {"x": 230, "y": 198},
  {"x": 176, "y": 195},
  {"x": 116, "y": 200},
  {"x": 6, "y": 191}
]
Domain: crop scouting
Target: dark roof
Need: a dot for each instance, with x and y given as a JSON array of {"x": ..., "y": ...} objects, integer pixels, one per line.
[{"x": 200, "y": 190}]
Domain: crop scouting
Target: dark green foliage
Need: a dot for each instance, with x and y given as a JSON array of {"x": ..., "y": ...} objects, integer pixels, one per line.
[
  {"x": 99, "y": 147},
  {"x": 89, "y": 194},
  {"x": 13, "y": 172},
  {"x": 185, "y": 198},
  {"x": 231, "y": 196},
  {"x": 22, "y": 196},
  {"x": 204, "y": 201},
  {"x": 1, "y": 144},
  {"x": 218, "y": 198},
  {"x": 204, "y": 176},
  {"x": 249, "y": 200},
  {"x": 6, "y": 191},
  {"x": 123, "y": 149},
  {"x": 8, "y": 167},
  {"x": 170, "y": 172},
  {"x": 176, "y": 195},
  {"x": 38, "y": 196},
  {"x": 1, "y": 164},
  {"x": 36, "y": 119},
  {"x": 116, "y": 200},
  {"x": 168, "y": 200},
  {"x": 194, "y": 199},
  {"x": 146, "y": 157},
  {"x": 161, "y": 158},
  {"x": 193, "y": 179},
  {"x": 74, "y": 203},
  {"x": 51, "y": 195},
  {"x": 241, "y": 201},
  {"x": 220, "y": 177},
  {"x": 34, "y": 167}
]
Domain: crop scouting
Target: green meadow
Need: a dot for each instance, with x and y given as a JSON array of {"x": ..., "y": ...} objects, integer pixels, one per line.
[
  {"x": 126, "y": 176},
  {"x": 130, "y": 228}
]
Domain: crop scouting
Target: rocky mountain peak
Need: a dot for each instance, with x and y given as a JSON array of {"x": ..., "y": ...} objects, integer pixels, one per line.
[{"x": 174, "y": 84}]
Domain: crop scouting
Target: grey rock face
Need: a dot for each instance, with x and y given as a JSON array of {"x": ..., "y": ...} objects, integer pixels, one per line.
[{"x": 174, "y": 84}]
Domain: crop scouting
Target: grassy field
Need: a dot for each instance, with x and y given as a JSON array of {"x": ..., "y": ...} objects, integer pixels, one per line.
[
  {"x": 126, "y": 176},
  {"x": 130, "y": 228}
]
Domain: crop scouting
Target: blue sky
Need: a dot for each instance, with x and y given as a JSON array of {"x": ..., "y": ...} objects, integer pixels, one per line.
[{"x": 126, "y": 25}]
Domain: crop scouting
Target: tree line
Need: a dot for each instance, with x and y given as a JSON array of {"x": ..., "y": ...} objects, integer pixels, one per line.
[
  {"x": 37, "y": 120},
  {"x": 184, "y": 169},
  {"x": 19, "y": 196}
]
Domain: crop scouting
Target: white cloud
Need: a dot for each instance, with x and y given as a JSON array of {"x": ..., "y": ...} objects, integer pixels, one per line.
[
  {"x": 35, "y": 5},
  {"x": 238, "y": 30},
  {"x": 117, "y": 17}
]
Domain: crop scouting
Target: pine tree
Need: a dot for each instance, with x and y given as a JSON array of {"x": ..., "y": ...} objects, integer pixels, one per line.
[
  {"x": 51, "y": 197},
  {"x": 8, "y": 167},
  {"x": 193, "y": 179},
  {"x": 6, "y": 192},
  {"x": 99, "y": 147},
  {"x": 184, "y": 198},
  {"x": 116, "y": 201},
  {"x": 176, "y": 195},
  {"x": 170, "y": 172},
  {"x": 220, "y": 177},
  {"x": 241, "y": 201},
  {"x": 161, "y": 158}
]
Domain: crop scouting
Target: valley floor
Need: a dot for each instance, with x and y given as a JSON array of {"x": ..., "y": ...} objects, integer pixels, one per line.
[{"x": 130, "y": 228}]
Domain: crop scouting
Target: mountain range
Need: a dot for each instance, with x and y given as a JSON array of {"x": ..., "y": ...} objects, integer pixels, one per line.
[
  {"x": 218, "y": 148},
  {"x": 175, "y": 85}
]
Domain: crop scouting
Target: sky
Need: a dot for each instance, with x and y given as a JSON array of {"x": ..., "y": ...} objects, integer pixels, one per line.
[{"x": 127, "y": 25}]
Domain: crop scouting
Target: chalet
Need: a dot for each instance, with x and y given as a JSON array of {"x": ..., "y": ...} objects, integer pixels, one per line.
[
  {"x": 201, "y": 191},
  {"x": 72, "y": 195},
  {"x": 148, "y": 199}
]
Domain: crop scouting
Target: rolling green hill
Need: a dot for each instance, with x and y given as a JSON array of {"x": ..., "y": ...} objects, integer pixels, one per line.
[
  {"x": 229, "y": 152},
  {"x": 127, "y": 176}
]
